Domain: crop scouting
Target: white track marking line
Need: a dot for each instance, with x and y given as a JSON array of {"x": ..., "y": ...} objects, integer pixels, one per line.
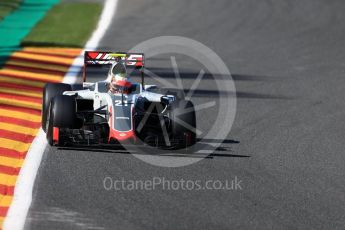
[{"x": 17, "y": 213}]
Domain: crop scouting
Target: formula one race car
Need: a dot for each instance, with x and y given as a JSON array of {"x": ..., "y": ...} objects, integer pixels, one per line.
[{"x": 117, "y": 110}]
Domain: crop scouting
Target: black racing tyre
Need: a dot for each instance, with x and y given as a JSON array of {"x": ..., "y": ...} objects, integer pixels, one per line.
[
  {"x": 49, "y": 124},
  {"x": 178, "y": 93},
  {"x": 183, "y": 124},
  {"x": 50, "y": 91},
  {"x": 61, "y": 114}
]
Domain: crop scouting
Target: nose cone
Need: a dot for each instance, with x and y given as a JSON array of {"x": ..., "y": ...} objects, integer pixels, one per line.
[{"x": 122, "y": 136}]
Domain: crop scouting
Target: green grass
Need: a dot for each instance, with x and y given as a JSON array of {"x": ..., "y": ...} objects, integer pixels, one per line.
[
  {"x": 7, "y": 6},
  {"x": 66, "y": 24}
]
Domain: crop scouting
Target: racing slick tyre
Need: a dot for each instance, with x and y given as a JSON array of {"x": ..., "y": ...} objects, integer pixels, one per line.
[
  {"x": 183, "y": 123},
  {"x": 50, "y": 91},
  {"x": 178, "y": 93},
  {"x": 61, "y": 114}
]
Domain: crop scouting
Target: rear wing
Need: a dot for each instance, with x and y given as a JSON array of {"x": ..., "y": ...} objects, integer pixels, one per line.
[
  {"x": 108, "y": 58},
  {"x": 136, "y": 60}
]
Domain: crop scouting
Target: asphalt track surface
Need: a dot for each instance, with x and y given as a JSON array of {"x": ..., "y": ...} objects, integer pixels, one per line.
[{"x": 286, "y": 144}]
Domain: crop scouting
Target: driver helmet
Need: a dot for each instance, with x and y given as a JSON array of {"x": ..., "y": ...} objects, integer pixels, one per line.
[{"x": 119, "y": 81}]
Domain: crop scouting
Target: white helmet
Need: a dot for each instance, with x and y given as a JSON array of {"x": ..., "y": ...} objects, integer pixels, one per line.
[{"x": 119, "y": 81}]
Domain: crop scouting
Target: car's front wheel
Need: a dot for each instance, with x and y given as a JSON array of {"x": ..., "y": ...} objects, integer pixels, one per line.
[
  {"x": 61, "y": 114},
  {"x": 183, "y": 123},
  {"x": 49, "y": 92}
]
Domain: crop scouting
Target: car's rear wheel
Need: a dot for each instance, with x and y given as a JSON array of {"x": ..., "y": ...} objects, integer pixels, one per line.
[
  {"x": 50, "y": 91},
  {"x": 61, "y": 114}
]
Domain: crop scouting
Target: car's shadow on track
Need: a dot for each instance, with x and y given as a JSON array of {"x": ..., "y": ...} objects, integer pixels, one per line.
[{"x": 203, "y": 149}]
